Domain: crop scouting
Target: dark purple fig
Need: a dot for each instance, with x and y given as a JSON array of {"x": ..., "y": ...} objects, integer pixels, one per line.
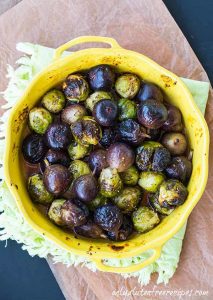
[
  {"x": 161, "y": 159},
  {"x": 57, "y": 179},
  {"x": 90, "y": 230},
  {"x": 97, "y": 161},
  {"x": 101, "y": 77},
  {"x": 86, "y": 187},
  {"x": 152, "y": 114},
  {"x": 105, "y": 112},
  {"x": 33, "y": 148},
  {"x": 108, "y": 137},
  {"x": 180, "y": 168},
  {"x": 57, "y": 157},
  {"x": 120, "y": 156},
  {"x": 149, "y": 91},
  {"x": 109, "y": 217},
  {"x": 174, "y": 120},
  {"x": 154, "y": 134},
  {"x": 72, "y": 214},
  {"x": 124, "y": 231},
  {"x": 175, "y": 142},
  {"x": 58, "y": 136}
]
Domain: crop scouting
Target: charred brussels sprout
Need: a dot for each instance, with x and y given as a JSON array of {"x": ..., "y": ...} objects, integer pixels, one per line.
[
  {"x": 33, "y": 148},
  {"x": 98, "y": 201},
  {"x": 149, "y": 91},
  {"x": 105, "y": 112},
  {"x": 101, "y": 77},
  {"x": 174, "y": 120},
  {"x": 127, "y": 109},
  {"x": 127, "y": 85},
  {"x": 39, "y": 119},
  {"x": 37, "y": 190},
  {"x": 130, "y": 176},
  {"x": 95, "y": 98},
  {"x": 150, "y": 181},
  {"x": 54, "y": 212},
  {"x": 75, "y": 88},
  {"x": 86, "y": 187},
  {"x": 97, "y": 161},
  {"x": 108, "y": 137},
  {"x": 78, "y": 168},
  {"x": 108, "y": 217},
  {"x": 172, "y": 192},
  {"x": 58, "y": 136},
  {"x": 78, "y": 151},
  {"x": 152, "y": 114},
  {"x": 86, "y": 131},
  {"x": 175, "y": 142},
  {"x": 90, "y": 230},
  {"x": 152, "y": 156},
  {"x": 131, "y": 132},
  {"x": 73, "y": 113},
  {"x": 128, "y": 199},
  {"x": 54, "y": 101},
  {"x": 180, "y": 168},
  {"x": 144, "y": 219},
  {"x": 57, "y": 157},
  {"x": 120, "y": 156},
  {"x": 74, "y": 213},
  {"x": 154, "y": 203},
  {"x": 124, "y": 231},
  {"x": 110, "y": 183},
  {"x": 57, "y": 179}
]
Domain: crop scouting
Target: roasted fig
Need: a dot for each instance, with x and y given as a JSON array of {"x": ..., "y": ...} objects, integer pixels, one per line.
[
  {"x": 131, "y": 132},
  {"x": 175, "y": 142},
  {"x": 97, "y": 161},
  {"x": 108, "y": 137},
  {"x": 90, "y": 230},
  {"x": 73, "y": 214},
  {"x": 101, "y": 77},
  {"x": 57, "y": 157},
  {"x": 174, "y": 119},
  {"x": 95, "y": 97},
  {"x": 149, "y": 91},
  {"x": 180, "y": 168},
  {"x": 108, "y": 217},
  {"x": 124, "y": 231},
  {"x": 105, "y": 112},
  {"x": 86, "y": 187},
  {"x": 33, "y": 148},
  {"x": 58, "y": 136}
]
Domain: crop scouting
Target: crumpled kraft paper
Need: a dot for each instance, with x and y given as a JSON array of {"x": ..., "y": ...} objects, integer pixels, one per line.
[{"x": 147, "y": 27}]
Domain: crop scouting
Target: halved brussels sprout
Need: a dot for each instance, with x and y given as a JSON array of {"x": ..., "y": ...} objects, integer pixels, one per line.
[
  {"x": 127, "y": 85},
  {"x": 54, "y": 212},
  {"x": 130, "y": 176},
  {"x": 37, "y": 190},
  {"x": 150, "y": 180},
  {"x": 39, "y": 119},
  {"x": 75, "y": 88},
  {"x": 54, "y": 101},
  {"x": 128, "y": 199},
  {"x": 153, "y": 202},
  {"x": 144, "y": 219},
  {"x": 78, "y": 151},
  {"x": 95, "y": 97},
  {"x": 127, "y": 109},
  {"x": 78, "y": 168},
  {"x": 110, "y": 183}
]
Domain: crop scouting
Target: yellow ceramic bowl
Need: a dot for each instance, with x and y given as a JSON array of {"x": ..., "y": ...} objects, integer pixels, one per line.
[{"x": 177, "y": 94}]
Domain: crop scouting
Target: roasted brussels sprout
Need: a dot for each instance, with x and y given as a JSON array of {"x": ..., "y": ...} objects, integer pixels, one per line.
[
  {"x": 130, "y": 176},
  {"x": 108, "y": 137},
  {"x": 98, "y": 201},
  {"x": 75, "y": 88},
  {"x": 174, "y": 120},
  {"x": 97, "y": 161},
  {"x": 57, "y": 157},
  {"x": 153, "y": 202},
  {"x": 150, "y": 180},
  {"x": 120, "y": 156},
  {"x": 57, "y": 179},
  {"x": 90, "y": 230},
  {"x": 144, "y": 219},
  {"x": 110, "y": 183},
  {"x": 149, "y": 91},
  {"x": 108, "y": 217},
  {"x": 172, "y": 192},
  {"x": 127, "y": 109},
  {"x": 37, "y": 190},
  {"x": 175, "y": 142},
  {"x": 124, "y": 231},
  {"x": 54, "y": 101},
  {"x": 86, "y": 187},
  {"x": 33, "y": 148},
  {"x": 58, "y": 136},
  {"x": 128, "y": 199},
  {"x": 74, "y": 213},
  {"x": 180, "y": 168},
  {"x": 86, "y": 131},
  {"x": 73, "y": 113},
  {"x": 131, "y": 132},
  {"x": 101, "y": 77},
  {"x": 95, "y": 97},
  {"x": 152, "y": 156},
  {"x": 105, "y": 112},
  {"x": 127, "y": 85},
  {"x": 54, "y": 212},
  {"x": 78, "y": 151},
  {"x": 152, "y": 114},
  {"x": 39, "y": 119},
  {"x": 78, "y": 168}
]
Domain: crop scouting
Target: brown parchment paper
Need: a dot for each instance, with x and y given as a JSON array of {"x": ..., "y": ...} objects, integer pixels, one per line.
[{"x": 147, "y": 27}]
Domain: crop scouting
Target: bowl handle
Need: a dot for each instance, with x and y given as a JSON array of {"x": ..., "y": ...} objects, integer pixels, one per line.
[
  {"x": 85, "y": 39},
  {"x": 132, "y": 268}
]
